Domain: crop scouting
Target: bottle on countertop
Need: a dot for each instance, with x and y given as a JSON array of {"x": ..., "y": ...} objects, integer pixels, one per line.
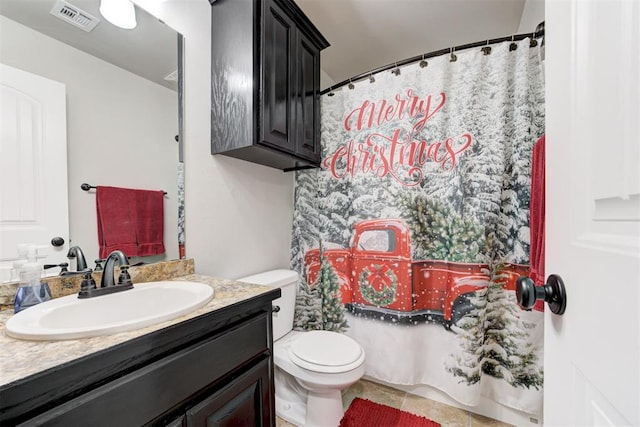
[
  {"x": 20, "y": 262},
  {"x": 31, "y": 290}
]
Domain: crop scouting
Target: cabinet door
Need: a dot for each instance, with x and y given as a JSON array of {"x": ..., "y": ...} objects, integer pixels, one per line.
[
  {"x": 246, "y": 401},
  {"x": 278, "y": 58},
  {"x": 307, "y": 100}
]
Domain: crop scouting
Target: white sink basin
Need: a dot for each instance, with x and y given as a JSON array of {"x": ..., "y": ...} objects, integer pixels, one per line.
[{"x": 70, "y": 318}]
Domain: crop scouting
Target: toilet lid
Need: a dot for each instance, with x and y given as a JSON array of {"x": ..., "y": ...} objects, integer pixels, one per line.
[{"x": 325, "y": 351}]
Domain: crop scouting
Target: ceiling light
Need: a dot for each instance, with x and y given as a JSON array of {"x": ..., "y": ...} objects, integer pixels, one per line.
[{"x": 119, "y": 12}]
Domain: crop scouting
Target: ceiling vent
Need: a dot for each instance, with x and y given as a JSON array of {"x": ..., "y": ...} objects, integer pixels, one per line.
[{"x": 74, "y": 15}]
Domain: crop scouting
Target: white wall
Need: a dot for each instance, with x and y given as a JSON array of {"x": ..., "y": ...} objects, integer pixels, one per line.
[
  {"x": 120, "y": 128},
  {"x": 532, "y": 15},
  {"x": 238, "y": 215},
  {"x": 326, "y": 80}
]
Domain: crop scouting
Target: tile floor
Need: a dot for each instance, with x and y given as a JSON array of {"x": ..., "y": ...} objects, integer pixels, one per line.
[{"x": 446, "y": 415}]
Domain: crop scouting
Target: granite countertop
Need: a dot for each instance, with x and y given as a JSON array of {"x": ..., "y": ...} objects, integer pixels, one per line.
[{"x": 21, "y": 358}]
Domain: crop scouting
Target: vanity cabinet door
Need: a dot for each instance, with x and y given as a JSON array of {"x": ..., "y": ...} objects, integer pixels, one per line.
[
  {"x": 246, "y": 401},
  {"x": 278, "y": 59}
]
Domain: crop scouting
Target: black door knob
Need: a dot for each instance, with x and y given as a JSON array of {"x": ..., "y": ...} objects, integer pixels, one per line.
[
  {"x": 57, "y": 241},
  {"x": 553, "y": 292}
]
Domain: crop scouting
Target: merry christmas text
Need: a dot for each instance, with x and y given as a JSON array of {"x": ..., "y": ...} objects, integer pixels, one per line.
[
  {"x": 399, "y": 152},
  {"x": 401, "y": 158}
]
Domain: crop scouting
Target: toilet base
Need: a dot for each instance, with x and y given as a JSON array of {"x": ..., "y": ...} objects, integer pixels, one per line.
[
  {"x": 291, "y": 398},
  {"x": 292, "y": 412},
  {"x": 320, "y": 410},
  {"x": 324, "y": 409}
]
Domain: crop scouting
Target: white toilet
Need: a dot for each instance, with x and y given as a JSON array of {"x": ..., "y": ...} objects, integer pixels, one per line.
[{"x": 311, "y": 368}]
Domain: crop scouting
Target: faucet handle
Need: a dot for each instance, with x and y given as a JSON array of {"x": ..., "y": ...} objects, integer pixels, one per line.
[
  {"x": 88, "y": 283},
  {"x": 63, "y": 267},
  {"x": 124, "y": 278}
]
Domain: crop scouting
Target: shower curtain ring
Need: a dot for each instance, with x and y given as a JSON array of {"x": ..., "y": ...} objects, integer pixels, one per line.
[
  {"x": 533, "y": 42},
  {"x": 486, "y": 49},
  {"x": 453, "y": 58},
  {"x": 330, "y": 91},
  {"x": 396, "y": 70},
  {"x": 371, "y": 79},
  {"x": 513, "y": 46},
  {"x": 351, "y": 86},
  {"x": 423, "y": 63}
]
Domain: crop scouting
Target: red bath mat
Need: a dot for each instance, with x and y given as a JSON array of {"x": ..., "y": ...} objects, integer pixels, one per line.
[{"x": 363, "y": 412}]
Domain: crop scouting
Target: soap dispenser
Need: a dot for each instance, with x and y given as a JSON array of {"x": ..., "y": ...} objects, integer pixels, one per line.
[
  {"x": 20, "y": 262},
  {"x": 31, "y": 290}
]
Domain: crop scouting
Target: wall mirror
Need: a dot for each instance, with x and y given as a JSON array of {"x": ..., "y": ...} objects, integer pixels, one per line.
[{"x": 123, "y": 108}]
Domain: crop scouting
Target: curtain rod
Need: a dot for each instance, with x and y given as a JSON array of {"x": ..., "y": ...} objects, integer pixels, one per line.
[{"x": 517, "y": 37}]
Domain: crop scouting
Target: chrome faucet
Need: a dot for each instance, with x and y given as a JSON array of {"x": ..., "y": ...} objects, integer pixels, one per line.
[{"x": 108, "y": 285}]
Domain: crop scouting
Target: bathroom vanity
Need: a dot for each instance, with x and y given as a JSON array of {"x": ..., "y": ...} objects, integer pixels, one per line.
[{"x": 211, "y": 366}]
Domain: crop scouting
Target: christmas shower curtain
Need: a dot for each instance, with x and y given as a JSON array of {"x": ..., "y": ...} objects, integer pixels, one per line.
[{"x": 411, "y": 235}]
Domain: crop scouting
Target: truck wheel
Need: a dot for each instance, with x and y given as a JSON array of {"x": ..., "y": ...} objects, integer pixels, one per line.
[{"x": 461, "y": 307}]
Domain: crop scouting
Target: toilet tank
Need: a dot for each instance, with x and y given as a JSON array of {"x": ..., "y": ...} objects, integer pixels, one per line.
[{"x": 287, "y": 281}]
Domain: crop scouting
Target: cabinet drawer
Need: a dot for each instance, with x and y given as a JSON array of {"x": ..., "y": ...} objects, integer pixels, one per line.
[{"x": 145, "y": 394}]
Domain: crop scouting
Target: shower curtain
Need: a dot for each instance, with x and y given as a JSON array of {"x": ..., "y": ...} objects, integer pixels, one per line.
[{"x": 411, "y": 235}]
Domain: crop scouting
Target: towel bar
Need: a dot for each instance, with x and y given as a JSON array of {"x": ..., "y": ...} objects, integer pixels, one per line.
[{"x": 87, "y": 187}]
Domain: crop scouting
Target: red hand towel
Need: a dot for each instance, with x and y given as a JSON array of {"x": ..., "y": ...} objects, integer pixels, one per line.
[
  {"x": 536, "y": 217},
  {"x": 150, "y": 223},
  {"x": 116, "y": 220}
]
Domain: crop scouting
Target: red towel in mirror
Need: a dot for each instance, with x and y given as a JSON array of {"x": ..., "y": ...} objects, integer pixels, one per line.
[
  {"x": 130, "y": 220},
  {"x": 116, "y": 220},
  {"x": 150, "y": 222}
]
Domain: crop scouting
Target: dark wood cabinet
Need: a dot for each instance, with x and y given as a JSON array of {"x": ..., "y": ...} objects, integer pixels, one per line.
[
  {"x": 215, "y": 369},
  {"x": 278, "y": 79},
  {"x": 244, "y": 402},
  {"x": 265, "y": 83}
]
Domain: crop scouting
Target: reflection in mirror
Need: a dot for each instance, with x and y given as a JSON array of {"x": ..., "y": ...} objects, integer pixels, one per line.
[{"x": 121, "y": 96}]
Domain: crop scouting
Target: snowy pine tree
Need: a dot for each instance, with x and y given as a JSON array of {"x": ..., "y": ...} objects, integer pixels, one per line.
[
  {"x": 493, "y": 340},
  {"x": 306, "y": 220},
  {"x": 467, "y": 363},
  {"x": 308, "y": 312},
  {"x": 508, "y": 350},
  {"x": 438, "y": 232},
  {"x": 332, "y": 309}
]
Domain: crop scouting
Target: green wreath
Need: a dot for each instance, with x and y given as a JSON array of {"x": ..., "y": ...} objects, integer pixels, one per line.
[{"x": 378, "y": 298}]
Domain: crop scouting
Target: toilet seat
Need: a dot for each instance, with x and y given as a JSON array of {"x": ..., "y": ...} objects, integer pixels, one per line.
[{"x": 326, "y": 352}]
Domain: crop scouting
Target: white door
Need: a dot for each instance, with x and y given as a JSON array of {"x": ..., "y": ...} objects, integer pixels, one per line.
[
  {"x": 33, "y": 166},
  {"x": 592, "y": 352}
]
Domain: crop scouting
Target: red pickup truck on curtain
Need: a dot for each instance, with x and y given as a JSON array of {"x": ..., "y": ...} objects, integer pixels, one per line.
[{"x": 378, "y": 277}]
